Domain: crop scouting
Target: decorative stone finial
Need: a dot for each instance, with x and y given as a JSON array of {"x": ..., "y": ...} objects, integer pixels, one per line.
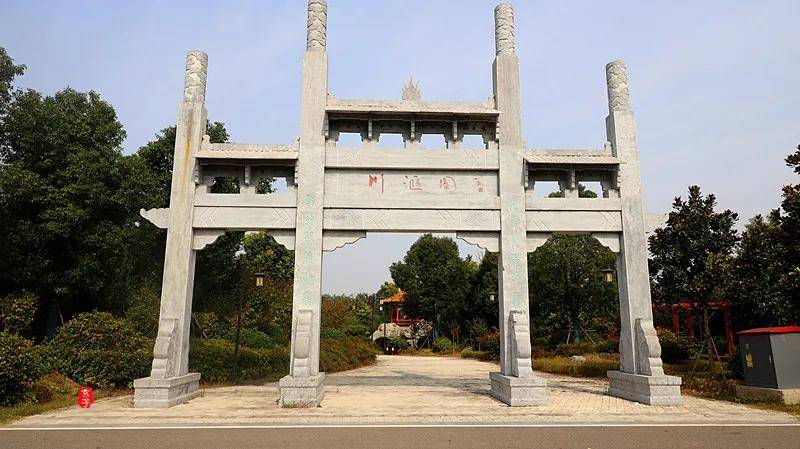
[
  {"x": 617, "y": 81},
  {"x": 504, "y": 29},
  {"x": 317, "y": 33},
  {"x": 194, "y": 86},
  {"x": 411, "y": 91}
]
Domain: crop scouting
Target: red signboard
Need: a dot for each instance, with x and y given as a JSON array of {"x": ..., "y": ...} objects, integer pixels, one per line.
[{"x": 85, "y": 397}]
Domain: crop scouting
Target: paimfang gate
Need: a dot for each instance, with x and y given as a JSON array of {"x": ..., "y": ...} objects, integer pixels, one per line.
[{"x": 336, "y": 195}]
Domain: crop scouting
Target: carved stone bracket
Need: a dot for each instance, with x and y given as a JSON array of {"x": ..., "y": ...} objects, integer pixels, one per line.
[
  {"x": 159, "y": 217},
  {"x": 521, "y": 365},
  {"x": 537, "y": 239},
  {"x": 648, "y": 349},
  {"x": 283, "y": 236},
  {"x": 302, "y": 344},
  {"x": 333, "y": 240},
  {"x": 608, "y": 239},
  {"x": 164, "y": 355},
  {"x": 205, "y": 237},
  {"x": 490, "y": 241}
]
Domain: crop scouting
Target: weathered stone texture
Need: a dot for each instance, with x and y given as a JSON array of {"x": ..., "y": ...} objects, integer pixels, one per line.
[
  {"x": 317, "y": 32},
  {"x": 504, "y": 28},
  {"x": 194, "y": 89},
  {"x": 617, "y": 80}
]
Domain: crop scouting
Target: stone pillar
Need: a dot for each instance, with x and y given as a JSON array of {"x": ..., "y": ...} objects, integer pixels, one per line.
[
  {"x": 304, "y": 384},
  {"x": 641, "y": 377},
  {"x": 170, "y": 382},
  {"x": 514, "y": 384}
]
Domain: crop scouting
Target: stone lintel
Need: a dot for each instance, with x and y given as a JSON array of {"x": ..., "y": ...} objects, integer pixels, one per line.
[
  {"x": 649, "y": 390},
  {"x": 301, "y": 391},
  {"x": 163, "y": 393},
  {"x": 518, "y": 391}
]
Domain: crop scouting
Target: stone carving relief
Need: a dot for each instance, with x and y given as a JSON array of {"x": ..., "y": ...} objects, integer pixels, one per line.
[
  {"x": 164, "y": 356},
  {"x": 504, "y": 29},
  {"x": 521, "y": 364},
  {"x": 302, "y": 344},
  {"x": 205, "y": 237},
  {"x": 316, "y": 37},
  {"x": 648, "y": 349},
  {"x": 617, "y": 79},
  {"x": 195, "y": 84},
  {"x": 411, "y": 91}
]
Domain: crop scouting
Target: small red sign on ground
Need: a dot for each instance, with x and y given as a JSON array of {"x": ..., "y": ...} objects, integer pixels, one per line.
[{"x": 85, "y": 397}]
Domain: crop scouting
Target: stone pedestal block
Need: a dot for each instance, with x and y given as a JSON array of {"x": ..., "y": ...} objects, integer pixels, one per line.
[
  {"x": 650, "y": 390},
  {"x": 163, "y": 393},
  {"x": 302, "y": 391},
  {"x": 787, "y": 396},
  {"x": 518, "y": 391}
]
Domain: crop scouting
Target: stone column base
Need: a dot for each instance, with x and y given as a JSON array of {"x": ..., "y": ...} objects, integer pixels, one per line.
[
  {"x": 787, "y": 396},
  {"x": 518, "y": 391},
  {"x": 650, "y": 390},
  {"x": 301, "y": 391},
  {"x": 163, "y": 393}
]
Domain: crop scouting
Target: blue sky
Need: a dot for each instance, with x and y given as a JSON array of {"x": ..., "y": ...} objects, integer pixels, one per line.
[{"x": 714, "y": 84}]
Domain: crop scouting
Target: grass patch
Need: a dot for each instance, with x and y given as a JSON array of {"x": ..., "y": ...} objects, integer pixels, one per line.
[{"x": 596, "y": 365}]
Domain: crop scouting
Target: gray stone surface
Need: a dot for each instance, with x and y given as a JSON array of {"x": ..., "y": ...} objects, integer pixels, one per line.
[
  {"x": 166, "y": 392},
  {"x": 305, "y": 391},
  {"x": 518, "y": 391},
  {"x": 649, "y": 390}
]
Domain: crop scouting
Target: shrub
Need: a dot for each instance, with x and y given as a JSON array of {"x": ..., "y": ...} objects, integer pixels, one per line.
[
  {"x": 340, "y": 355},
  {"x": 143, "y": 311},
  {"x": 333, "y": 334},
  {"x": 208, "y": 325},
  {"x": 596, "y": 365},
  {"x": 100, "y": 350},
  {"x": 17, "y": 312},
  {"x": 20, "y": 364},
  {"x": 490, "y": 343},
  {"x": 400, "y": 343},
  {"x": 443, "y": 345},
  {"x": 214, "y": 359},
  {"x": 468, "y": 353},
  {"x": 674, "y": 348},
  {"x": 252, "y": 338},
  {"x": 587, "y": 347}
]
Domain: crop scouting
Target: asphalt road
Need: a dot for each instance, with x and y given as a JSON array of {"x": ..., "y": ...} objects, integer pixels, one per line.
[{"x": 616, "y": 437}]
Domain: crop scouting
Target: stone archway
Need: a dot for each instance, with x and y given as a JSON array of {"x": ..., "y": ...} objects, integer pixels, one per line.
[{"x": 339, "y": 194}]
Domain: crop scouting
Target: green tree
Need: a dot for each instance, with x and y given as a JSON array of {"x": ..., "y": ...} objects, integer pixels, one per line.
[
  {"x": 692, "y": 254},
  {"x": 567, "y": 287},
  {"x": 436, "y": 281},
  {"x": 767, "y": 273}
]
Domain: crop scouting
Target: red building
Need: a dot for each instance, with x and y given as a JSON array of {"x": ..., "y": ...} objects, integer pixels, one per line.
[{"x": 394, "y": 308}]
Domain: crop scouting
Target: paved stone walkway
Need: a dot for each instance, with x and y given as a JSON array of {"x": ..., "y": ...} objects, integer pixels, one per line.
[{"x": 409, "y": 390}]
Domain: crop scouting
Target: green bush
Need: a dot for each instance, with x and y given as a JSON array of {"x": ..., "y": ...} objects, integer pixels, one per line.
[
  {"x": 100, "y": 350},
  {"x": 333, "y": 334},
  {"x": 340, "y": 355},
  {"x": 252, "y": 338},
  {"x": 443, "y": 345},
  {"x": 17, "y": 312},
  {"x": 596, "y": 365},
  {"x": 208, "y": 325},
  {"x": 490, "y": 343},
  {"x": 400, "y": 343},
  {"x": 143, "y": 311},
  {"x": 468, "y": 353},
  {"x": 735, "y": 365},
  {"x": 213, "y": 358},
  {"x": 20, "y": 364},
  {"x": 674, "y": 348},
  {"x": 587, "y": 347}
]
